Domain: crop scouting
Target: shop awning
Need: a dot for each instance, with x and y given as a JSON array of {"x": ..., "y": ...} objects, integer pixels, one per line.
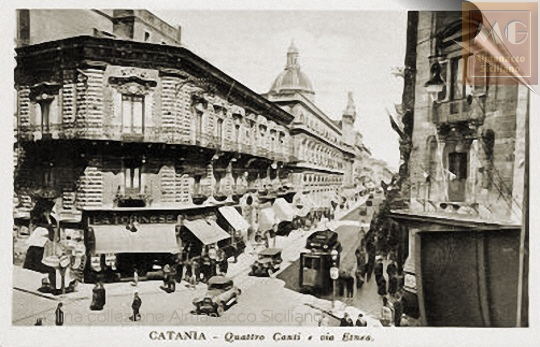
[
  {"x": 208, "y": 232},
  {"x": 149, "y": 238},
  {"x": 267, "y": 218},
  {"x": 234, "y": 218},
  {"x": 283, "y": 210}
]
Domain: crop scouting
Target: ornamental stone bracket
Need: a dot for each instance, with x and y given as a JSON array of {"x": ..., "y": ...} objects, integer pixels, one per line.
[{"x": 44, "y": 91}]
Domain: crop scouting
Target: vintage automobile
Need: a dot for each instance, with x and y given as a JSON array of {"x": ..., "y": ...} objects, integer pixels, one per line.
[
  {"x": 221, "y": 293},
  {"x": 324, "y": 241},
  {"x": 269, "y": 262}
]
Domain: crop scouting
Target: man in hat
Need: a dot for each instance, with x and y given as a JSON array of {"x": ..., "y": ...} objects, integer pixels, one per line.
[
  {"x": 98, "y": 297},
  {"x": 136, "y": 306}
]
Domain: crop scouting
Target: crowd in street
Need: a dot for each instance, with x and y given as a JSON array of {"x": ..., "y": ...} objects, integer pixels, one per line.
[{"x": 372, "y": 263}]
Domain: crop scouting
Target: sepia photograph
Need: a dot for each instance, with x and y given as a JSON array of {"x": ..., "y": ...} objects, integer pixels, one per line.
[{"x": 325, "y": 174}]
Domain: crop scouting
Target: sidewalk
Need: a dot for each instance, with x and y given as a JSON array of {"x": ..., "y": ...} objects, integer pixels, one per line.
[{"x": 29, "y": 281}]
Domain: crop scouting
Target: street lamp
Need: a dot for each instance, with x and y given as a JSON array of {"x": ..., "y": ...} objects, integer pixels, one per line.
[
  {"x": 435, "y": 84},
  {"x": 334, "y": 274}
]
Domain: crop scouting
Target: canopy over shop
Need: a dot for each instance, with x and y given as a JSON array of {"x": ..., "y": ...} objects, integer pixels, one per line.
[
  {"x": 235, "y": 220},
  {"x": 123, "y": 249},
  {"x": 201, "y": 233}
]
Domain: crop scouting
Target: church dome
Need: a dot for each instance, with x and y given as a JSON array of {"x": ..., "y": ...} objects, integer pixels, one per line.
[{"x": 292, "y": 79}]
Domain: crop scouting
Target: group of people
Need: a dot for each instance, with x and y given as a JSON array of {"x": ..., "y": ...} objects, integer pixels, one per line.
[{"x": 346, "y": 321}]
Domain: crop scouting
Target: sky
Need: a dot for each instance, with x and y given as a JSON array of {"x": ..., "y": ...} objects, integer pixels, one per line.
[{"x": 340, "y": 51}]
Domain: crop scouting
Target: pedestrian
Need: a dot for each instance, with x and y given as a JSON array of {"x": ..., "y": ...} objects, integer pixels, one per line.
[
  {"x": 188, "y": 276},
  {"x": 196, "y": 268},
  {"x": 135, "y": 282},
  {"x": 349, "y": 281},
  {"x": 392, "y": 284},
  {"x": 370, "y": 264},
  {"x": 136, "y": 306},
  {"x": 341, "y": 285},
  {"x": 166, "y": 274},
  {"x": 398, "y": 310},
  {"x": 387, "y": 315},
  {"x": 344, "y": 321},
  {"x": 171, "y": 283},
  {"x": 350, "y": 322},
  {"x": 179, "y": 270},
  {"x": 360, "y": 321},
  {"x": 98, "y": 297},
  {"x": 391, "y": 269},
  {"x": 381, "y": 287},
  {"x": 59, "y": 315},
  {"x": 359, "y": 278},
  {"x": 378, "y": 270}
]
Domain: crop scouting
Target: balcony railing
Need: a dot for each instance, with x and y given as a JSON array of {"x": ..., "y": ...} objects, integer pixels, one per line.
[
  {"x": 452, "y": 112},
  {"x": 145, "y": 134}
]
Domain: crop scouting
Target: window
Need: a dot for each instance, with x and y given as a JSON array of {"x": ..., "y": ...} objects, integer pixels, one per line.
[
  {"x": 48, "y": 176},
  {"x": 457, "y": 164},
  {"x": 219, "y": 130},
  {"x": 132, "y": 180},
  {"x": 457, "y": 90},
  {"x": 199, "y": 124},
  {"x": 133, "y": 114}
]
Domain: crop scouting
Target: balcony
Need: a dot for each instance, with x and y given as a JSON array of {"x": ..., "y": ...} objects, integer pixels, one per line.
[
  {"x": 131, "y": 197},
  {"x": 454, "y": 112}
]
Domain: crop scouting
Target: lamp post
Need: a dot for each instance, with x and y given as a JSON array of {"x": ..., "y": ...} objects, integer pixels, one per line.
[
  {"x": 435, "y": 84},
  {"x": 334, "y": 274}
]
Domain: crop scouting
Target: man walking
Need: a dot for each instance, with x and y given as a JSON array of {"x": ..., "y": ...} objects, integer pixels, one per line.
[
  {"x": 136, "y": 306},
  {"x": 59, "y": 315}
]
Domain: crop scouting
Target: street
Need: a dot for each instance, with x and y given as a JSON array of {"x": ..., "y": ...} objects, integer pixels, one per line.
[{"x": 285, "y": 306}]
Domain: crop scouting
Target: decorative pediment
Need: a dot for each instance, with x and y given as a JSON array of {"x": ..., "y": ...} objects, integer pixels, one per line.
[
  {"x": 132, "y": 84},
  {"x": 44, "y": 91}
]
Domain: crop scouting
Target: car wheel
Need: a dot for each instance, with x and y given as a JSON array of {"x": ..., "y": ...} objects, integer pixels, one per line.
[{"x": 220, "y": 309}]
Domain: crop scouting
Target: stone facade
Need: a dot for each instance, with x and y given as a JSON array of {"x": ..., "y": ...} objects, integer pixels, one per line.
[
  {"x": 145, "y": 131},
  {"x": 476, "y": 128}
]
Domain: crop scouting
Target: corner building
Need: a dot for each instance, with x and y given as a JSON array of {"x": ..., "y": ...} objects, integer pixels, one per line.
[
  {"x": 117, "y": 129},
  {"x": 467, "y": 176}
]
